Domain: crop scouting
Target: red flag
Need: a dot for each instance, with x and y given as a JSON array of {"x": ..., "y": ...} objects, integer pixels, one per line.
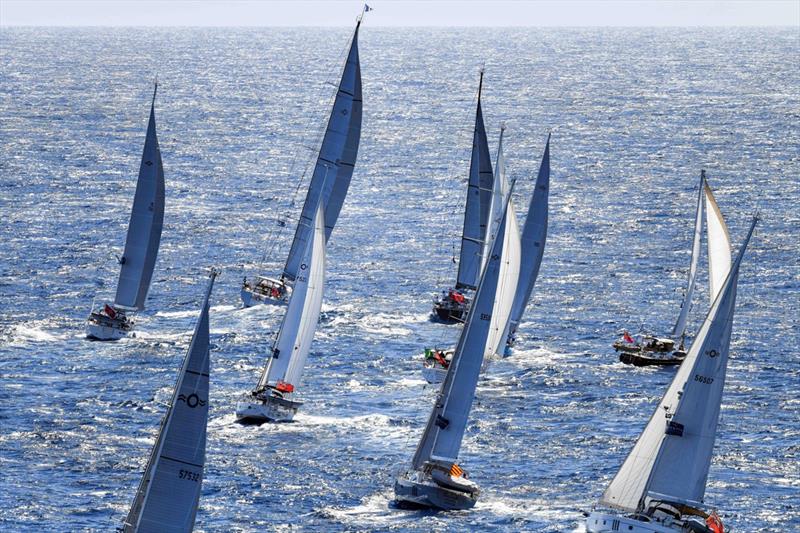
[
  {"x": 628, "y": 338},
  {"x": 110, "y": 311}
]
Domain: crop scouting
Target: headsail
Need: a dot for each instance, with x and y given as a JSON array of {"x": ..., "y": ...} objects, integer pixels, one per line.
[
  {"x": 169, "y": 492},
  {"x": 508, "y": 281},
  {"x": 671, "y": 458},
  {"x": 335, "y": 162},
  {"x": 534, "y": 236},
  {"x": 476, "y": 211},
  {"x": 300, "y": 322},
  {"x": 498, "y": 199},
  {"x": 680, "y": 325},
  {"x": 719, "y": 245},
  {"x": 448, "y": 419},
  {"x": 144, "y": 229}
]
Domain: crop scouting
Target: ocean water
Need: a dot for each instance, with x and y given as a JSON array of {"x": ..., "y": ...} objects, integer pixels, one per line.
[{"x": 634, "y": 115}]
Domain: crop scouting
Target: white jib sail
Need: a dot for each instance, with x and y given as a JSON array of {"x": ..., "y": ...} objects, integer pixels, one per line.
[
  {"x": 673, "y": 454},
  {"x": 144, "y": 229},
  {"x": 507, "y": 284},
  {"x": 169, "y": 492},
  {"x": 719, "y": 245},
  {"x": 302, "y": 314},
  {"x": 680, "y": 325}
]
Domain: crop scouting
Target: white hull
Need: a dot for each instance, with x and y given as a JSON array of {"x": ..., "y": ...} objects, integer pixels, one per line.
[
  {"x": 251, "y": 298},
  {"x": 104, "y": 333},
  {"x": 428, "y": 494},
  {"x": 608, "y": 522},
  {"x": 433, "y": 374},
  {"x": 258, "y": 412}
]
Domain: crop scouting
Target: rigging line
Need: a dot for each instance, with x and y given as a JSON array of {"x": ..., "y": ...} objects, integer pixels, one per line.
[{"x": 280, "y": 222}]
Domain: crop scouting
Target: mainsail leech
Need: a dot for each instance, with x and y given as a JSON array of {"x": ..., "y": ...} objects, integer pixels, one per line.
[{"x": 144, "y": 229}]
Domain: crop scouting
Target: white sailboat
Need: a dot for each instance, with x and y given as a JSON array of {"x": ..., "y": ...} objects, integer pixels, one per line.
[
  {"x": 534, "y": 236},
  {"x": 661, "y": 484},
  {"x": 111, "y": 321},
  {"x": 169, "y": 492},
  {"x": 435, "y": 479},
  {"x": 651, "y": 350},
  {"x": 453, "y": 304},
  {"x": 273, "y": 399},
  {"x": 330, "y": 181}
]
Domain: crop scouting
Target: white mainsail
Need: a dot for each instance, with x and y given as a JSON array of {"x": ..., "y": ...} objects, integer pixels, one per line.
[
  {"x": 335, "y": 161},
  {"x": 144, "y": 230},
  {"x": 445, "y": 428},
  {"x": 300, "y": 322},
  {"x": 719, "y": 245},
  {"x": 534, "y": 236},
  {"x": 670, "y": 461},
  {"x": 476, "y": 210},
  {"x": 680, "y": 326},
  {"x": 169, "y": 492}
]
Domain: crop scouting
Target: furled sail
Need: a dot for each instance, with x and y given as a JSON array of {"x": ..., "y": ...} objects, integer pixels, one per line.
[
  {"x": 169, "y": 492},
  {"x": 534, "y": 235},
  {"x": 719, "y": 245},
  {"x": 300, "y": 322},
  {"x": 680, "y": 325},
  {"x": 144, "y": 230},
  {"x": 476, "y": 211},
  {"x": 445, "y": 428},
  {"x": 335, "y": 162},
  {"x": 670, "y": 461}
]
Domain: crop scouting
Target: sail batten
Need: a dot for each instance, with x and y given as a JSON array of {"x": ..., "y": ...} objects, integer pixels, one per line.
[
  {"x": 673, "y": 454},
  {"x": 169, "y": 492},
  {"x": 680, "y": 325},
  {"x": 146, "y": 222},
  {"x": 534, "y": 237},
  {"x": 336, "y": 160}
]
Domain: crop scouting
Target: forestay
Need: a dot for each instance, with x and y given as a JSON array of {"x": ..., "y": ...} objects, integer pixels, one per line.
[
  {"x": 335, "y": 162},
  {"x": 300, "y": 322},
  {"x": 719, "y": 245},
  {"x": 144, "y": 229},
  {"x": 534, "y": 236},
  {"x": 670, "y": 461},
  {"x": 476, "y": 210},
  {"x": 680, "y": 325},
  {"x": 445, "y": 428},
  {"x": 169, "y": 492}
]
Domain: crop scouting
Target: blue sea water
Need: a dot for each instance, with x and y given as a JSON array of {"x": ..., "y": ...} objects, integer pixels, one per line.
[{"x": 634, "y": 114}]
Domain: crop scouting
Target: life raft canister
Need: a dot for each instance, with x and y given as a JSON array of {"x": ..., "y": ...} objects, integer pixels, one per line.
[{"x": 714, "y": 523}]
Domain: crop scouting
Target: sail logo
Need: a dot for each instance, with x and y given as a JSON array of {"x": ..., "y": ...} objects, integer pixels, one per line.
[
  {"x": 303, "y": 266},
  {"x": 712, "y": 353},
  {"x": 192, "y": 401},
  {"x": 148, "y": 163}
]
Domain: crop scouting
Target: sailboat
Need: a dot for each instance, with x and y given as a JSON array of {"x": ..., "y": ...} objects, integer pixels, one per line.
[
  {"x": 111, "y": 321},
  {"x": 661, "y": 484},
  {"x": 534, "y": 236},
  {"x": 434, "y": 366},
  {"x": 435, "y": 479},
  {"x": 273, "y": 399},
  {"x": 650, "y": 350},
  {"x": 453, "y": 304},
  {"x": 169, "y": 492},
  {"x": 330, "y": 181}
]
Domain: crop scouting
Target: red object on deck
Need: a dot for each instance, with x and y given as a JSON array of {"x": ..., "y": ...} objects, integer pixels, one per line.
[
  {"x": 110, "y": 311},
  {"x": 628, "y": 338},
  {"x": 442, "y": 361},
  {"x": 284, "y": 387},
  {"x": 714, "y": 523},
  {"x": 275, "y": 293},
  {"x": 457, "y": 297}
]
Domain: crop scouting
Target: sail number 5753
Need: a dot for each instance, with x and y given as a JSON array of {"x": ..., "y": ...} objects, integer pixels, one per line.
[
  {"x": 703, "y": 379},
  {"x": 188, "y": 474}
]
